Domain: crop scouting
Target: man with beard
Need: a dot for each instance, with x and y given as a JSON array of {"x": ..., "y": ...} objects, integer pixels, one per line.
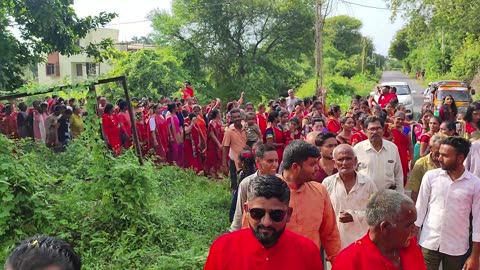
[
  {"x": 349, "y": 192},
  {"x": 390, "y": 243},
  {"x": 326, "y": 142},
  {"x": 266, "y": 244},
  {"x": 379, "y": 158},
  {"x": 313, "y": 216},
  {"x": 447, "y": 198},
  {"x": 423, "y": 165}
]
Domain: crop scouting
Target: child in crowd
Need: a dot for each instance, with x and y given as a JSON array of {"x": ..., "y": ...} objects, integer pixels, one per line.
[
  {"x": 254, "y": 134},
  {"x": 247, "y": 160}
]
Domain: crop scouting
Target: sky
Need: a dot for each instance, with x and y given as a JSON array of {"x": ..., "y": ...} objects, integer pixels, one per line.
[{"x": 132, "y": 15}]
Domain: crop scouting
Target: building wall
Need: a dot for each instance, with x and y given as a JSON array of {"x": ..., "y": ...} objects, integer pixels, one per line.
[{"x": 66, "y": 65}]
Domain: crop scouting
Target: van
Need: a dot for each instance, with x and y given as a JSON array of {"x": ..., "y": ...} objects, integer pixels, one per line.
[{"x": 460, "y": 91}]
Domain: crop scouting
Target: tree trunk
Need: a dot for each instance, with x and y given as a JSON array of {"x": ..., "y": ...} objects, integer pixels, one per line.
[{"x": 318, "y": 47}]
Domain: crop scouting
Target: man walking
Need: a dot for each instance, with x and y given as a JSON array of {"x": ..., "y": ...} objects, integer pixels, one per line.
[
  {"x": 234, "y": 140},
  {"x": 447, "y": 198},
  {"x": 266, "y": 244},
  {"x": 379, "y": 158}
]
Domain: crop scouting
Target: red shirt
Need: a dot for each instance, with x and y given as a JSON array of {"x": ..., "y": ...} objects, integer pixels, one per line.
[
  {"x": 364, "y": 255},
  {"x": 187, "y": 92},
  {"x": 240, "y": 250},
  {"x": 262, "y": 122},
  {"x": 384, "y": 99}
]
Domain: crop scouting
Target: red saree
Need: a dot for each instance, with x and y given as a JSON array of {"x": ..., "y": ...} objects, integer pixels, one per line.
[
  {"x": 278, "y": 137},
  {"x": 161, "y": 134},
  {"x": 213, "y": 160},
  {"x": 112, "y": 132},
  {"x": 400, "y": 139},
  {"x": 193, "y": 158}
]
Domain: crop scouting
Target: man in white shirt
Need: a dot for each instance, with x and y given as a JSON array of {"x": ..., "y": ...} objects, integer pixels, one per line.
[
  {"x": 349, "y": 192},
  {"x": 447, "y": 198},
  {"x": 472, "y": 163},
  {"x": 291, "y": 100},
  {"x": 379, "y": 158},
  {"x": 266, "y": 158}
]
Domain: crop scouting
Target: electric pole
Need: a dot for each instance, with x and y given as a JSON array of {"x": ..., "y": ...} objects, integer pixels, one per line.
[{"x": 318, "y": 46}]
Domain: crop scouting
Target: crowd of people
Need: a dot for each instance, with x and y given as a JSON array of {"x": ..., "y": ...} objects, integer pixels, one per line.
[{"x": 306, "y": 176}]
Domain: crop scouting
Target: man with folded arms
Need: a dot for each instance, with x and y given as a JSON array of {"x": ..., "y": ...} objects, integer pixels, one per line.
[{"x": 266, "y": 244}]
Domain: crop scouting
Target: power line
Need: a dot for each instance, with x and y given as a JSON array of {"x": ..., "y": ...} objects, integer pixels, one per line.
[{"x": 367, "y": 6}]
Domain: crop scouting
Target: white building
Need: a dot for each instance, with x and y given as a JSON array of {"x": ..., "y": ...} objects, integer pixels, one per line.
[{"x": 76, "y": 68}]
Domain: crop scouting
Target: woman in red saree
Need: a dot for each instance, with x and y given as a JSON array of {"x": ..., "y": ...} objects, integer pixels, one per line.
[
  {"x": 158, "y": 134},
  {"x": 215, "y": 132},
  {"x": 274, "y": 135},
  {"x": 262, "y": 118},
  {"x": 142, "y": 132},
  {"x": 472, "y": 122},
  {"x": 434, "y": 126},
  {"x": 192, "y": 144},
  {"x": 403, "y": 140},
  {"x": 111, "y": 129},
  {"x": 294, "y": 133},
  {"x": 333, "y": 122},
  {"x": 125, "y": 124}
]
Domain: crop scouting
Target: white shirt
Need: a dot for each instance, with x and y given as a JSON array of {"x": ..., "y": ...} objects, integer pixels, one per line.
[
  {"x": 383, "y": 167},
  {"x": 472, "y": 162},
  {"x": 241, "y": 200},
  {"x": 354, "y": 203},
  {"x": 291, "y": 103},
  {"x": 443, "y": 211}
]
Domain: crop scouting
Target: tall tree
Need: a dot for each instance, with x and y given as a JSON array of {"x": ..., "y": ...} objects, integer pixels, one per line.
[
  {"x": 44, "y": 26},
  {"x": 236, "y": 43}
]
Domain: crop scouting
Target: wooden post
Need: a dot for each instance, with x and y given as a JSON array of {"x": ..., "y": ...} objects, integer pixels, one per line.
[
  {"x": 318, "y": 47},
  {"x": 132, "y": 117}
]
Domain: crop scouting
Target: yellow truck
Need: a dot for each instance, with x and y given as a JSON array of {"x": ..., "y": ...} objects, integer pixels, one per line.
[{"x": 460, "y": 91}]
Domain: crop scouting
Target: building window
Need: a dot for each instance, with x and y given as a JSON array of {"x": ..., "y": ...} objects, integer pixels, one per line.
[
  {"x": 91, "y": 69},
  {"x": 79, "y": 70},
  {"x": 50, "y": 69}
]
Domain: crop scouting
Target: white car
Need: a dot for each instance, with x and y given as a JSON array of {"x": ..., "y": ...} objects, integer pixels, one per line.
[{"x": 404, "y": 94}]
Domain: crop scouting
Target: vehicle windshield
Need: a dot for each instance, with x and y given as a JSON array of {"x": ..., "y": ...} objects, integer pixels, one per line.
[
  {"x": 457, "y": 95},
  {"x": 402, "y": 89}
]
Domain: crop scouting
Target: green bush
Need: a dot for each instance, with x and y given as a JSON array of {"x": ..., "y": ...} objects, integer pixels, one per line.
[{"x": 116, "y": 213}]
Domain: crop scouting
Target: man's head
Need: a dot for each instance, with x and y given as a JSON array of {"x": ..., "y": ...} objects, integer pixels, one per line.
[
  {"x": 283, "y": 117},
  {"x": 385, "y": 89},
  {"x": 251, "y": 118},
  {"x": 391, "y": 216},
  {"x": 435, "y": 143},
  {"x": 236, "y": 117},
  {"x": 326, "y": 142},
  {"x": 273, "y": 117},
  {"x": 291, "y": 93},
  {"x": 43, "y": 252},
  {"x": 266, "y": 158},
  {"x": 318, "y": 124},
  {"x": 345, "y": 158},
  {"x": 453, "y": 151},
  {"x": 300, "y": 159},
  {"x": 267, "y": 208},
  {"x": 374, "y": 127},
  {"x": 187, "y": 84},
  {"x": 311, "y": 137}
]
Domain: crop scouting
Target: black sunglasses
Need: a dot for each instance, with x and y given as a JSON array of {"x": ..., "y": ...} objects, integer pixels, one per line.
[{"x": 275, "y": 215}]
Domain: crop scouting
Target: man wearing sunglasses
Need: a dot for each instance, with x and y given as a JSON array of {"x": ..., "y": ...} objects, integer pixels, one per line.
[
  {"x": 266, "y": 244},
  {"x": 266, "y": 159},
  {"x": 313, "y": 215}
]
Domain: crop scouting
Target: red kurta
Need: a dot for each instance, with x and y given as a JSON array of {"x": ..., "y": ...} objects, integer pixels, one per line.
[
  {"x": 262, "y": 122},
  {"x": 161, "y": 134},
  {"x": 333, "y": 125},
  {"x": 213, "y": 160},
  {"x": 278, "y": 137},
  {"x": 240, "y": 250},
  {"x": 400, "y": 139},
  {"x": 112, "y": 132},
  {"x": 193, "y": 158},
  {"x": 364, "y": 255},
  {"x": 125, "y": 128}
]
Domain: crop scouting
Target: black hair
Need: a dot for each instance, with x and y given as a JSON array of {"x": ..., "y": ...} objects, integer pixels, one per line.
[
  {"x": 316, "y": 103},
  {"x": 296, "y": 120},
  {"x": 214, "y": 113},
  {"x": 43, "y": 105},
  {"x": 262, "y": 148},
  {"x": 272, "y": 116},
  {"x": 344, "y": 119},
  {"x": 297, "y": 152},
  {"x": 191, "y": 115},
  {"x": 316, "y": 119},
  {"x": 22, "y": 106},
  {"x": 474, "y": 106},
  {"x": 41, "y": 252},
  {"x": 235, "y": 111},
  {"x": 323, "y": 137},
  {"x": 461, "y": 145},
  {"x": 450, "y": 125},
  {"x": 454, "y": 109},
  {"x": 333, "y": 109},
  {"x": 108, "y": 108},
  {"x": 282, "y": 113},
  {"x": 171, "y": 107},
  {"x": 282, "y": 99},
  {"x": 269, "y": 186},
  {"x": 187, "y": 82},
  {"x": 372, "y": 119},
  {"x": 122, "y": 105}
]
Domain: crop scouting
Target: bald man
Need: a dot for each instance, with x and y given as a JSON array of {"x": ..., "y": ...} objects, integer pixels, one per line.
[
  {"x": 311, "y": 137},
  {"x": 349, "y": 192}
]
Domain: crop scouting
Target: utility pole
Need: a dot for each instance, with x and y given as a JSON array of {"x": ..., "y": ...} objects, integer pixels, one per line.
[{"x": 319, "y": 20}]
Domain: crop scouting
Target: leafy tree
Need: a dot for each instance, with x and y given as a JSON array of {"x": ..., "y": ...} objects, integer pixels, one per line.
[
  {"x": 231, "y": 42},
  {"x": 343, "y": 32},
  {"x": 45, "y": 27},
  {"x": 399, "y": 47}
]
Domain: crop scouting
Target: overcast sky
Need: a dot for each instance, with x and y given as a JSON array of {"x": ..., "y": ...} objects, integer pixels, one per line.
[{"x": 131, "y": 13}]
